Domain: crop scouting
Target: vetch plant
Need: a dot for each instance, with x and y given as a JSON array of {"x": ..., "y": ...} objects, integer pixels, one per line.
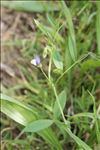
[
  {"x": 58, "y": 106},
  {"x": 60, "y": 91}
]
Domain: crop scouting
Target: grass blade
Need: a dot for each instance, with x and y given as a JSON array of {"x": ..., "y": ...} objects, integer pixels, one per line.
[
  {"x": 66, "y": 127},
  {"x": 24, "y": 115},
  {"x": 78, "y": 140},
  {"x": 50, "y": 137},
  {"x": 71, "y": 39},
  {"x": 16, "y": 110}
]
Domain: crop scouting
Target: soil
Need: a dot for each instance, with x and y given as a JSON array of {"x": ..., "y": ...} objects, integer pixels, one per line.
[{"x": 14, "y": 25}]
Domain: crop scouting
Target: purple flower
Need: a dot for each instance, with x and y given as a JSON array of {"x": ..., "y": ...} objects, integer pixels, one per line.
[{"x": 36, "y": 61}]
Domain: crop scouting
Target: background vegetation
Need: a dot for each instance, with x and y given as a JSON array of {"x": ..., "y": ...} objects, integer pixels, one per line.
[{"x": 55, "y": 105}]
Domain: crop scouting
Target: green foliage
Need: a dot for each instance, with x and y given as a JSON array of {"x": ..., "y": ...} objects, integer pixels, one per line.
[
  {"x": 38, "y": 125},
  {"x": 24, "y": 115},
  {"x": 97, "y": 123},
  {"x": 71, "y": 51},
  {"x": 57, "y": 60},
  {"x": 62, "y": 101},
  {"x": 66, "y": 127},
  {"x": 98, "y": 26},
  {"x": 31, "y": 6},
  {"x": 78, "y": 140},
  {"x": 52, "y": 100},
  {"x": 16, "y": 110},
  {"x": 90, "y": 64}
]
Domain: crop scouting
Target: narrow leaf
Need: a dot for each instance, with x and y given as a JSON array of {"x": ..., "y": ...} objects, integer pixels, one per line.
[
  {"x": 62, "y": 101},
  {"x": 50, "y": 137},
  {"x": 71, "y": 39},
  {"x": 38, "y": 125},
  {"x": 66, "y": 127},
  {"x": 31, "y": 6},
  {"x": 23, "y": 115},
  {"x": 78, "y": 140},
  {"x": 57, "y": 60}
]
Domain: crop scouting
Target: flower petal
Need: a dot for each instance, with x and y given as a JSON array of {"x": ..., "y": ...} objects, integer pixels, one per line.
[{"x": 33, "y": 62}]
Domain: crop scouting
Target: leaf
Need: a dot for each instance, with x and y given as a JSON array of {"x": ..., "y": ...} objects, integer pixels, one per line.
[
  {"x": 66, "y": 127},
  {"x": 45, "y": 29},
  {"x": 57, "y": 60},
  {"x": 62, "y": 101},
  {"x": 97, "y": 125},
  {"x": 78, "y": 140},
  {"x": 50, "y": 32},
  {"x": 24, "y": 115},
  {"x": 16, "y": 110},
  {"x": 85, "y": 114},
  {"x": 71, "y": 48},
  {"x": 38, "y": 125},
  {"x": 50, "y": 137},
  {"x": 31, "y": 6}
]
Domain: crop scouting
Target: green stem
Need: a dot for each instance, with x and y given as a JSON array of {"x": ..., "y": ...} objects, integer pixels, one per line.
[
  {"x": 72, "y": 67},
  {"x": 66, "y": 71},
  {"x": 55, "y": 92},
  {"x": 44, "y": 73},
  {"x": 57, "y": 99}
]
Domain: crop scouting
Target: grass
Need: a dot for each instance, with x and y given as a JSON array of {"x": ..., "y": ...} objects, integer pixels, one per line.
[{"x": 54, "y": 105}]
